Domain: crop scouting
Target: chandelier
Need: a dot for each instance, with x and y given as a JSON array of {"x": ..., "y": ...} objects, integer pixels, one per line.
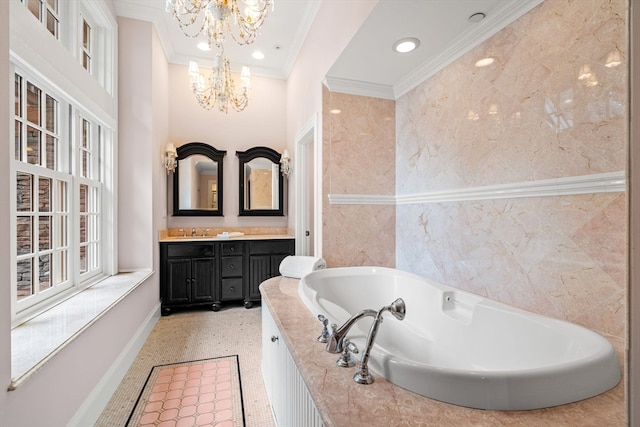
[
  {"x": 219, "y": 89},
  {"x": 217, "y": 18}
]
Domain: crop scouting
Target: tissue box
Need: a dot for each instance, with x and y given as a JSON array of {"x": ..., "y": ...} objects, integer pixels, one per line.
[{"x": 299, "y": 266}]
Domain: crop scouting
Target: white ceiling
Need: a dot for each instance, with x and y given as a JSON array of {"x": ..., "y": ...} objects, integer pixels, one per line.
[{"x": 368, "y": 66}]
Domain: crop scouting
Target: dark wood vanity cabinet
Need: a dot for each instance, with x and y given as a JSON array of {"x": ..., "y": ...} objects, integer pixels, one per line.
[
  {"x": 232, "y": 273},
  {"x": 215, "y": 272},
  {"x": 265, "y": 257},
  {"x": 188, "y": 275}
]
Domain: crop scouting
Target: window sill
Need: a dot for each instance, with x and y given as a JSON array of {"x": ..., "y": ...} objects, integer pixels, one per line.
[{"x": 39, "y": 339}]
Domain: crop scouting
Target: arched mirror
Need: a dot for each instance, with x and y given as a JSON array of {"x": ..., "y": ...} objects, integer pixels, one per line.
[
  {"x": 261, "y": 185},
  {"x": 197, "y": 181}
]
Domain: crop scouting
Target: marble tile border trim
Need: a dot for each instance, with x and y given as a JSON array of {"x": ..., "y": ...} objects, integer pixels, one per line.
[
  {"x": 608, "y": 182},
  {"x": 38, "y": 340}
]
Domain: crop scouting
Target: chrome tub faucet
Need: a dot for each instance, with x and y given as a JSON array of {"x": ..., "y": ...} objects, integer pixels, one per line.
[
  {"x": 398, "y": 310},
  {"x": 336, "y": 339}
]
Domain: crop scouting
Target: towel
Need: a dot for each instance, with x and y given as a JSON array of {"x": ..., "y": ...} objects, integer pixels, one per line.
[{"x": 299, "y": 266}]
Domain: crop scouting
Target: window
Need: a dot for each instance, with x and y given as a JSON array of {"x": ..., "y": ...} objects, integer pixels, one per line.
[
  {"x": 85, "y": 47},
  {"x": 46, "y": 11},
  {"x": 86, "y": 29},
  {"x": 88, "y": 200},
  {"x": 58, "y": 208}
]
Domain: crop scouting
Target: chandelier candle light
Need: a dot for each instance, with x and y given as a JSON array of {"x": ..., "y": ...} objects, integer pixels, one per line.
[
  {"x": 217, "y": 18},
  {"x": 219, "y": 89}
]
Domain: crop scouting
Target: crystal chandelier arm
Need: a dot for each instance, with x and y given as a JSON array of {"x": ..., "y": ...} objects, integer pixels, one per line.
[
  {"x": 214, "y": 18},
  {"x": 219, "y": 90}
]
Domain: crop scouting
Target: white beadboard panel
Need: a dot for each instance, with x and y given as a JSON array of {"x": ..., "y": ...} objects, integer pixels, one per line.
[{"x": 609, "y": 182}]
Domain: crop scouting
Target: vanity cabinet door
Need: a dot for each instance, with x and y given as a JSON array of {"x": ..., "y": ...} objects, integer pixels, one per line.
[
  {"x": 202, "y": 279},
  {"x": 188, "y": 275},
  {"x": 178, "y": 286},
  {"x": 259, "y": 271},
  {"x": 265, "y": 257}
]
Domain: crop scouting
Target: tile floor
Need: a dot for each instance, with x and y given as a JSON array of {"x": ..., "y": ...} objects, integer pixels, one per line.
[
  {"x": 197, "y": 335},
  {"x": 198, "y": 394}
]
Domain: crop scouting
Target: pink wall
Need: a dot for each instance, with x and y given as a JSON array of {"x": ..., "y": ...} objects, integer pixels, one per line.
[
  {"x": 525, "y": 118},
  {"x": 358, "y": 158},
  {"x": 136, "y": 146},
  {"x": 335, "y": 24},
  {"x": 634, "y": 219},
  {"x": 262, "y": 123},
  {"x": 62, "y": 385}
]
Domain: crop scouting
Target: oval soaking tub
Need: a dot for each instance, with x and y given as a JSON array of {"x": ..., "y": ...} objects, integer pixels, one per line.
[{"x": 461, "y": 348}]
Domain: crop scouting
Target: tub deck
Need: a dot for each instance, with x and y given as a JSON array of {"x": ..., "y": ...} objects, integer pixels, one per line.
[{"x": 345, "y": 403}]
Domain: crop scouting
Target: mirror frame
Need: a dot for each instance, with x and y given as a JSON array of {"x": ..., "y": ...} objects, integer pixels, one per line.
[
  {"x": 190, "y": 149},
  {"x": 245, "y": 157}
]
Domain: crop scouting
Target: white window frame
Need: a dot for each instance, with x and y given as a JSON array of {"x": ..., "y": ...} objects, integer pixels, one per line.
[
  {"x": 88, "y": 51},
  {"x": 102, "y": 45},
  {"x": 44, "y": 10},
  {"x": 70, "y": 18},
  {"x": 70, "y": 118}
]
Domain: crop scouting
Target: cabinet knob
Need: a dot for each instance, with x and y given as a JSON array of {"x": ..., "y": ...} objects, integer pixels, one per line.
[{"x": 274, "y": 338}]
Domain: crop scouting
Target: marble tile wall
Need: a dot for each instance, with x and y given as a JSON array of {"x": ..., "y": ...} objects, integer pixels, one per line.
[
  {"x": 358, "y": 158},
  {"x": 551, "y": 105}
]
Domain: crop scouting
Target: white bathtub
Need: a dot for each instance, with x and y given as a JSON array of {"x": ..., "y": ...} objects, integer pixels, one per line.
[{"x": 461, "y": 348}]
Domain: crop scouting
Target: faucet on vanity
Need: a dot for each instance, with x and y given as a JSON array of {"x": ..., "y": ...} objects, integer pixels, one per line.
[{"x": 337, "y": 343}]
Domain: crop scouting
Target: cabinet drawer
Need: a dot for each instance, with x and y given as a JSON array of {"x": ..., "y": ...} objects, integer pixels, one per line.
[
  {"x": 231, "y": 266},
  {"x": 231, "y": 289},
  {"x": 189, "y": 250},
  {"x": 267, "y": 247},
  {"x": 232, "y": 248}
]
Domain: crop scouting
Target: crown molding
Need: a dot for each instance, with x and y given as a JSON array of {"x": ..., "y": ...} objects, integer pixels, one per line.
[
  {"x": 356, "y": 87},
  {"x": 300, "y": 37}
]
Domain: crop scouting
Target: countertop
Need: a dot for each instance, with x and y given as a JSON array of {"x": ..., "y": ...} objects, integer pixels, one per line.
[
  {"x": 223, "y": 239},
  {"x": 249, "y": 233},
  {"x": 343, "y": 403}
]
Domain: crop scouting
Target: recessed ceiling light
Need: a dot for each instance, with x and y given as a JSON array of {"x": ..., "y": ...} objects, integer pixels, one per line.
[
  {"x": 484, "y": 62},
  {"x": 257, "y": 55},
  {"x": 204, "y": 46},
  {"x": 406, "y": 45}
]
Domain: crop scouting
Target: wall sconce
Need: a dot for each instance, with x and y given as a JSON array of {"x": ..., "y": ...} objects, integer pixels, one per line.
[
  {"x": 169, "y": 158},
  {"x": 285, "y": 164}
]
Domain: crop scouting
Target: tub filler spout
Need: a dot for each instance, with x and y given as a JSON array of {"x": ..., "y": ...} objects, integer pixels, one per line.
[
  {"x": 398, "y": 310},
  {"x": 336, "y": 340}
]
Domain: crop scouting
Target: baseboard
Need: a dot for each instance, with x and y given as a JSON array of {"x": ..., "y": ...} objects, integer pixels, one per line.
[{"x": 94, "y": 404}]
